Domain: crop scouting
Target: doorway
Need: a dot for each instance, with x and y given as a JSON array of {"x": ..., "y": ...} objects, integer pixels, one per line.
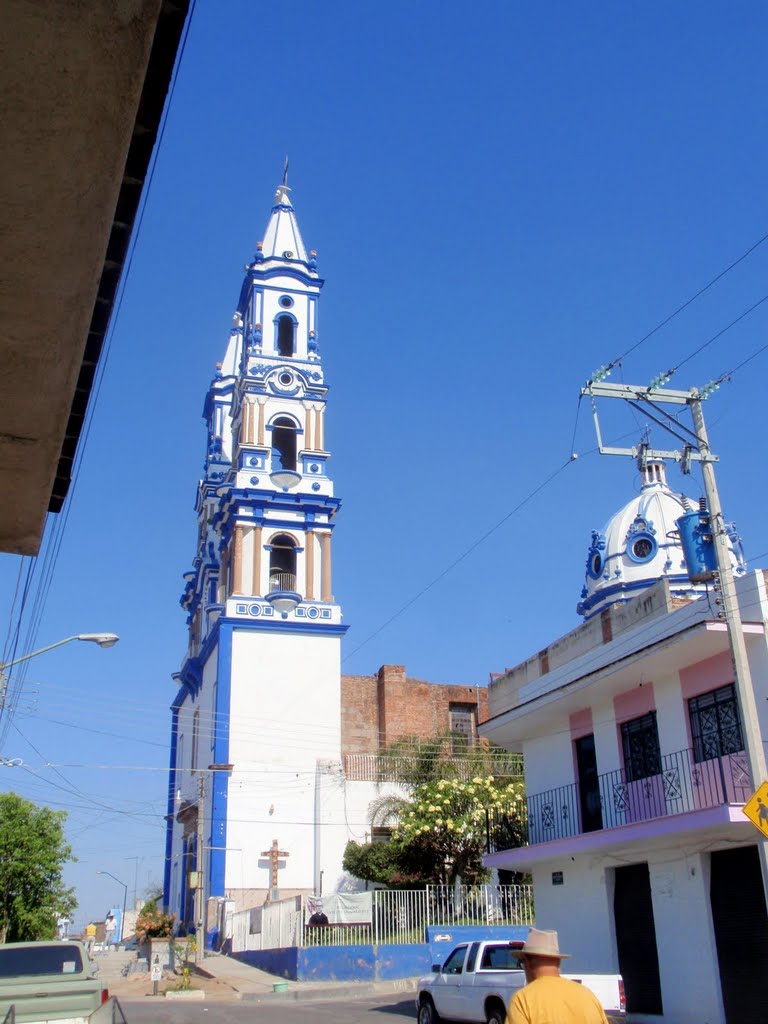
[
  {"x": 741, "y": 932},
  {"x": 589, "y": 784},
  {"x": 636, "y": 939}
]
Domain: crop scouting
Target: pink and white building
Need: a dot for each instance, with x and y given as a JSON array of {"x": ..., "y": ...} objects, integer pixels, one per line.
[{"x": 636, "y": 775}]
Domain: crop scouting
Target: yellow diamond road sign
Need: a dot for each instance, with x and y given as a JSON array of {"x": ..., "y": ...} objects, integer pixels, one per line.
[{"x": 756, "y": 809}]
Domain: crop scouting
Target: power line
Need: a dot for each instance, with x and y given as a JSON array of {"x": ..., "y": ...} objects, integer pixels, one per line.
[
  {"x": 684, "y": 305},
  {"x": 54, "y": 537},
  {"x": 465, "y": 554}
]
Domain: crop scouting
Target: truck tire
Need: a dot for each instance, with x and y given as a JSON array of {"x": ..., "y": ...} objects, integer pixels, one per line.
[
  {"x": 495, "y": 1013},
  {"x": 427, "y": 1013}
]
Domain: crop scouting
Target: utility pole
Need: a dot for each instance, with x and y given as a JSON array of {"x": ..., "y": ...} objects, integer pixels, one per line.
[
  {"x": 696, "y": 448},
  {"x": 200, "y": 914},
  {"x": 135, "y": 877}
]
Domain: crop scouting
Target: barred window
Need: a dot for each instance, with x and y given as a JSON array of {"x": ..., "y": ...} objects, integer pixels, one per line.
[
  {"x": 715, "y": 723},
  {"x": 640, "y": 740}
]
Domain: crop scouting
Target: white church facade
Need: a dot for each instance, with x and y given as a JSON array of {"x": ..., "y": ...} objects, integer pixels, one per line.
[{"x": 273, "y": 752}]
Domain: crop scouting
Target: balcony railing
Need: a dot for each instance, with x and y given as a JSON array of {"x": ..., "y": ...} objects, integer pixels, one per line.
[
  {"x": 393, "y": 768},
  {"x": 282, "y": 581},
  {"x": 682, "y": 785}
]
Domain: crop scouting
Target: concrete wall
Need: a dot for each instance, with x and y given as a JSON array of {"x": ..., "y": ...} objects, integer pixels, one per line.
[
  {"x": 284, "y": 717},
  {"x": 342, "y": 963},
  {"x": 442, "y": 939},
  {"x": 503, "y": 692}
]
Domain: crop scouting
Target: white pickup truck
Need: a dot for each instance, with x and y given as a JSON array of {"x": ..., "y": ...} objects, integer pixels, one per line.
[{"x": 478, "y": 979}]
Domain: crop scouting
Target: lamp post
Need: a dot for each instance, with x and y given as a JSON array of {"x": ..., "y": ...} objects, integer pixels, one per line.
[
  {"x": 125, "y": 900},
  {"x": 102, "y": 639}
]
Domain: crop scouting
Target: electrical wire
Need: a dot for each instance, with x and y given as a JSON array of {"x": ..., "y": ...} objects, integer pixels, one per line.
[
  {"x": 687, "y": 303},
  {"x": 54, "y": 538},
  {"x": 465, "y": 554}
]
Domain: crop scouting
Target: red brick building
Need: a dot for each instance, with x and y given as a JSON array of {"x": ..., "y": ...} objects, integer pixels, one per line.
[{"x": 380, "y": 709}]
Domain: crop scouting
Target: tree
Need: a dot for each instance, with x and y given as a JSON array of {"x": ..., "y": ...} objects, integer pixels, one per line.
[
  {"x": 439, "y": 833},
  {"x": 445, "y": 825},
  {"x": 33, "y": 852}
]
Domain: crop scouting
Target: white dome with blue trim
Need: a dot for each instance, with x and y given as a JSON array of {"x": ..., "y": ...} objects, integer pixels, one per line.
[{"x": 640, "y": 545}]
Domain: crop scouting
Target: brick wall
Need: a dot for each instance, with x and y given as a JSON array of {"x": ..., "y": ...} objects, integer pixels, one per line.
[{"x": 377, "y": 710}]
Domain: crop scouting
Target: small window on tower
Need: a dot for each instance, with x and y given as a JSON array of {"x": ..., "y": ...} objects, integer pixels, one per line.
[
  {"x": 285, "y": 332},
  {"x": 283, "y": 444},
  {"x": 282, "y": 563}
]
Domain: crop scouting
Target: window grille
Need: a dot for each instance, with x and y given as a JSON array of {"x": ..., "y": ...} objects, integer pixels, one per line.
[{"x": 715, "y": 723}]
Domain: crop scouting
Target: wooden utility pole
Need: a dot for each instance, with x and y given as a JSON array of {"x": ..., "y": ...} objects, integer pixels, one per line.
[
  {"x": 697, "y": 449},
  {"x": 753, "y": 740}
]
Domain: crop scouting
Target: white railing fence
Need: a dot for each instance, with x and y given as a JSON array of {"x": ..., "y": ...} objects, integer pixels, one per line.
[{"x": 396, "y": 916}]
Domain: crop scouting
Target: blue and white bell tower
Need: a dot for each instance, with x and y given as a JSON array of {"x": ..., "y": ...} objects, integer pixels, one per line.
[{"x": 256, "y": 721}]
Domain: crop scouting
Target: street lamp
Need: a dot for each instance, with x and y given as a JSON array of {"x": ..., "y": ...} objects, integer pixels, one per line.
[
  {"x": 102, "y": 639},
  {"x": 125, "y": 899}
]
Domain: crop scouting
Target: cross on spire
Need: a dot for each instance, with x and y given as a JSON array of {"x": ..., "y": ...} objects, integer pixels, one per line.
[{"x": 273, "y": 854}]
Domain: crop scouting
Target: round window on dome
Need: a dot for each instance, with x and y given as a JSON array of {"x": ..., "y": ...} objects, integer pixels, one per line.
[
  {"x": 642, "y": 549},
  {"x": 596, "y": 564}
]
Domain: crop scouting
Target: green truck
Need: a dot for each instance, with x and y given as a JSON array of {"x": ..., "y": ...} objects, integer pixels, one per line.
[{"x": 44, "y": 982}]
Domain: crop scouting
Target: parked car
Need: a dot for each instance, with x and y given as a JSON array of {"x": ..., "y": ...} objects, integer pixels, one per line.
[
  {"x": 49, "y": 982},
  {"x": 478, "y": 980}
]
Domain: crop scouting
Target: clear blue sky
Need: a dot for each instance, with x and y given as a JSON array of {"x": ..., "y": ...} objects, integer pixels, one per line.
[{"x": 503, "y": 196}]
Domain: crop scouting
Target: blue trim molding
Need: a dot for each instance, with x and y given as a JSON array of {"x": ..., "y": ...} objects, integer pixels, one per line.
[
  {"x": 220, "y": 779},
  {"x": 170, "y": 808}
]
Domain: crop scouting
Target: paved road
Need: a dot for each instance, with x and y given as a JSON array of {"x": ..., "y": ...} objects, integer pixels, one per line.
[{"x": 389, "y": 1009}]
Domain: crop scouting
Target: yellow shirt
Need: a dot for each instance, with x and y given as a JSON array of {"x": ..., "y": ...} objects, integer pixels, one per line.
[
  {"x": 90, "y": 931},
  {"x": 555, "y": 1001}
]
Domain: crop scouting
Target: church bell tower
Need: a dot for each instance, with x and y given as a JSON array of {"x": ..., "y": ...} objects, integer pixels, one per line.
[{"x": 257, "y": 715}]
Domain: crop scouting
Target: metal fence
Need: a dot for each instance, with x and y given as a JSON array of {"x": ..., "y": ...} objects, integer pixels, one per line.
[
  {"x": 398, "y": 916},
  {"x": 389, "y": 768}
]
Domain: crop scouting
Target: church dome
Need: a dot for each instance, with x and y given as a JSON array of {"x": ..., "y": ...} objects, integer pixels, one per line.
[{"x": 641, "y": 544}]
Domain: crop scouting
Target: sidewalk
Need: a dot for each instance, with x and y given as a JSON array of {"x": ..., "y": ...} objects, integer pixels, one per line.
[
  {"x": 225, "y": 979},
  {"x": 252, "y": 984}
]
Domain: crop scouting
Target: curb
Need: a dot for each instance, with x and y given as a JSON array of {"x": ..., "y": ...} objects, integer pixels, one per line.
[{"x": 302, "y": 991}]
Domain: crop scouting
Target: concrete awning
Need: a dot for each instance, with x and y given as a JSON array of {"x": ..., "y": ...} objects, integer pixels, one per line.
[{"x": 85, "y": 86}]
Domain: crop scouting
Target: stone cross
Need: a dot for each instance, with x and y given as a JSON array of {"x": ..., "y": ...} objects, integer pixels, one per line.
[{"x": 273, "y": 854}]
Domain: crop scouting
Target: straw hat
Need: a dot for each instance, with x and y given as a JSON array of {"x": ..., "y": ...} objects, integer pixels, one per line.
[{"x": 542, "y": 943}]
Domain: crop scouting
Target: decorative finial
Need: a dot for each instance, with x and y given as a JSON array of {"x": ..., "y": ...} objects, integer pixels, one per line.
[{"x": 282, "y": 190}]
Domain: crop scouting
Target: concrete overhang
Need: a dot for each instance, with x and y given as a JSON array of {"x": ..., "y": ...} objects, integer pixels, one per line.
[
  {"x": 693, "y": 643},
  {"x": 706, "y": 829},
  {"x": 85, "y": 85}
]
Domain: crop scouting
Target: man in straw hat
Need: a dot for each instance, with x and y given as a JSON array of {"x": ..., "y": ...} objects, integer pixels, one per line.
[{"x": 547, "y": 998}]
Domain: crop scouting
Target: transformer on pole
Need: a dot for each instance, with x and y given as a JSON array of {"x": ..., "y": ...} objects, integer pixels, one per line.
[{"x": 704, "y": 532}]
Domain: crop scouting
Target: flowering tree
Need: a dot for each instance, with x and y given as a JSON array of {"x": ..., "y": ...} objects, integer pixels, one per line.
[
  {"x": 439, "y": 832},
  {"x": 446, "y": 823}
]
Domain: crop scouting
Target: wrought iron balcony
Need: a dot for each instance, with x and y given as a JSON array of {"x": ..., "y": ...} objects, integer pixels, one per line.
[{"x": 615, "y": 799}]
